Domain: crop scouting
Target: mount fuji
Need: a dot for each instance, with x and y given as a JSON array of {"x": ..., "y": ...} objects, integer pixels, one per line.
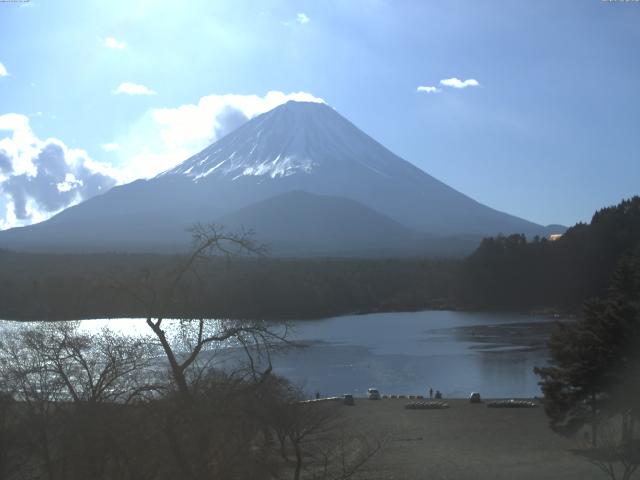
[{"x": 303, "y": 177}]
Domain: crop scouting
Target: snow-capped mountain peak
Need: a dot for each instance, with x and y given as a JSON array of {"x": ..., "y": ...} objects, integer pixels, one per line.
[{"x": 294, "y": 138}]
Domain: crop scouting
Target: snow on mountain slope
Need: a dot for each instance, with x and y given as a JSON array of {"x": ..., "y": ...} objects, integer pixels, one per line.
[{"x": 296, "y": 138}]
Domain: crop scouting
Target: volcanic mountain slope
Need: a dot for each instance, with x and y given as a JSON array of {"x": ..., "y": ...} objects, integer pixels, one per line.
[
  {"x": 296, "y": 147},
  {"x": 309, "y": 224}
]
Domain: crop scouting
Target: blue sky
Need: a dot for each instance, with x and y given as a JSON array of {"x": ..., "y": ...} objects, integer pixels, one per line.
[{"x": 549, "y": 133}]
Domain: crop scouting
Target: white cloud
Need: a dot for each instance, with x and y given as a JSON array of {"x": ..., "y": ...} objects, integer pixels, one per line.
[
  {"x": 129, "y": 88},
  {"x": 111, "y": 42},
  {"x": 427, "y": 89},
  {"x": 39, "y": 178},
  {"x": 110, "y": 147},
  {"x": 164, "y": 137},
  {"x": 301, "y": 18},
  {"x": 3, "y": 71},
  {"x": 457, "y": 83}
]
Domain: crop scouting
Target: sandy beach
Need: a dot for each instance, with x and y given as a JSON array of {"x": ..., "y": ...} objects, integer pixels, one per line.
[{"x": 465, "y": 441}]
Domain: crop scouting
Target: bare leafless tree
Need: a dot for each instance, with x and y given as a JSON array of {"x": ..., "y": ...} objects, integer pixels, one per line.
[
  {"x": 317, "y": 441},
  {"x": 172, "y": 292},
  {"x": 27, "y": 375},
  {"x": 65, "y": 383},
  {"x": 92, "y": 368},
  {"x": 75, "y": 392}
]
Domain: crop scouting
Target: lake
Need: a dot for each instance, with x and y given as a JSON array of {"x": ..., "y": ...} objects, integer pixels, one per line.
[{"x": 408, "y": 353}]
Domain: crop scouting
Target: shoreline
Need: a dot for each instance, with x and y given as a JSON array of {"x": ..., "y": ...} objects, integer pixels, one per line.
[{"x": 551, "y": 314}]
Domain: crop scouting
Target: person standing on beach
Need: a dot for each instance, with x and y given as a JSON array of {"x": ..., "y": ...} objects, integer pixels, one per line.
[{"x": 430, "y": 393}]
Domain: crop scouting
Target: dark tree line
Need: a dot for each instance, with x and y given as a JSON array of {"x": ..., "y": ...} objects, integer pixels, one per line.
[
  {"x": 509, "y": 272},
  {"x": 50, "y": 287}
]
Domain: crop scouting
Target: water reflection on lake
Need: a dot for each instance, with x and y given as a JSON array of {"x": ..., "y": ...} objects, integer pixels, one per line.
[{"x": 407, "y": 353}]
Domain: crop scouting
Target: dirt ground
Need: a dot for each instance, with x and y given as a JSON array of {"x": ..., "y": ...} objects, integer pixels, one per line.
[{"x": 466, "y": 441}]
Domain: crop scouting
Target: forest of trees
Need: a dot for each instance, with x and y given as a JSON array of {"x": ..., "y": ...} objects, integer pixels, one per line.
[
  {"x": 515, "y": 274},
  {"x": 44, "y": 286},
  {"x": 504, "y": 273}
]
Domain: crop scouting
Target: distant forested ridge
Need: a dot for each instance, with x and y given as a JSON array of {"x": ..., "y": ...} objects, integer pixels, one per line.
[
  {"x": 65, "y": 286},
  {"x": 509, "y": 272}
]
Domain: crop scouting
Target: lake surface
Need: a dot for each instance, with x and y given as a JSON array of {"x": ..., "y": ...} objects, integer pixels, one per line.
[{"x": 408, "y": 353}]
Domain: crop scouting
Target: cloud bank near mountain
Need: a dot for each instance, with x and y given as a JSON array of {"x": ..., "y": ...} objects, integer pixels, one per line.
[{"x": 39, "y": 178}]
